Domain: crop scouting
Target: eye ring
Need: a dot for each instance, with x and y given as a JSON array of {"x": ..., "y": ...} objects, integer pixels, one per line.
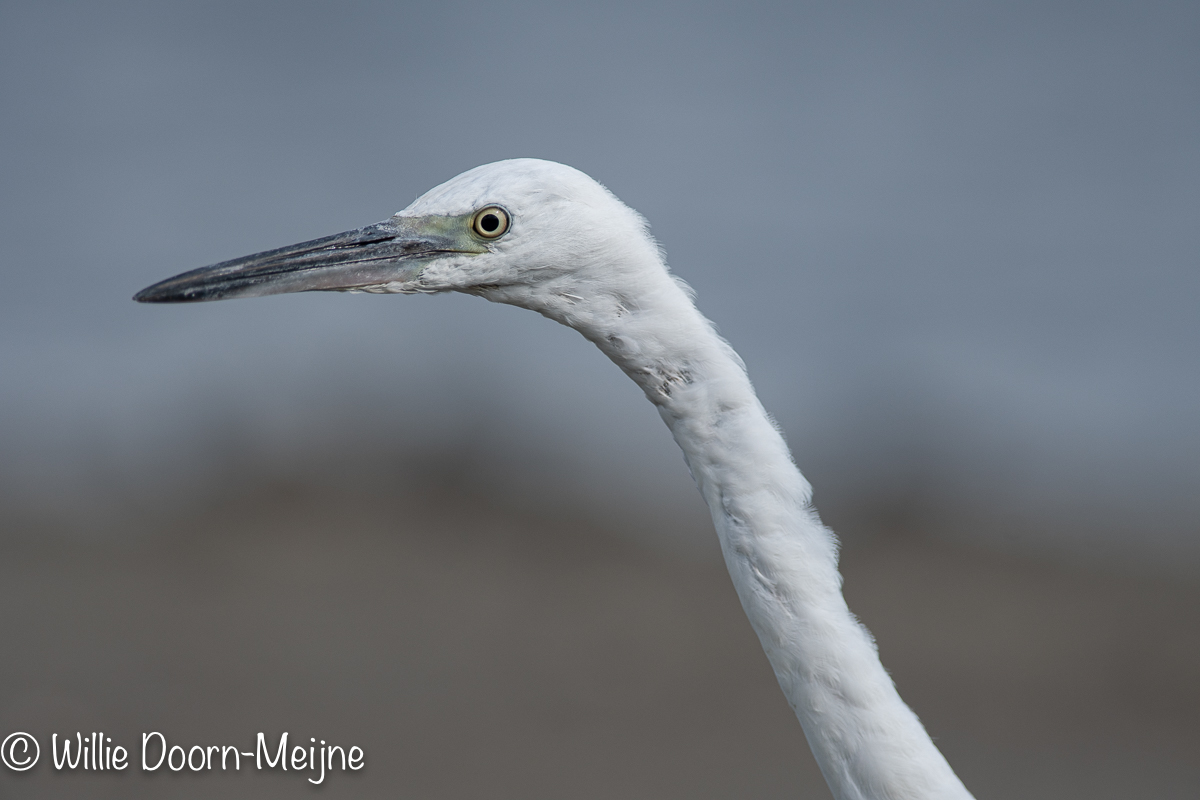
[{"x": 490, "y": 222}]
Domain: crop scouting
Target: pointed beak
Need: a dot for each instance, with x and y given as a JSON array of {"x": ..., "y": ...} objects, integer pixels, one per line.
[{"x": 390, "y": 252}]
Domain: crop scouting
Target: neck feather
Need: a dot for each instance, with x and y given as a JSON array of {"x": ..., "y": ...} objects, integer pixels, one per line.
[{"x": 782, "y": 560}]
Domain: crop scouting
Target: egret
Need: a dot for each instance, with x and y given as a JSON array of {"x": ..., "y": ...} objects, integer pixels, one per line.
[{"x": 547, "y": 237}]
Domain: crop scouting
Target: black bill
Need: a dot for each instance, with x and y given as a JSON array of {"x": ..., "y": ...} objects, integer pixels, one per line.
[{"x": 393, "y": 251}]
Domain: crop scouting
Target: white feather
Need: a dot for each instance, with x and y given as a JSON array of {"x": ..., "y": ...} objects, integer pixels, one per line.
[{"x": 579, "y": 256}]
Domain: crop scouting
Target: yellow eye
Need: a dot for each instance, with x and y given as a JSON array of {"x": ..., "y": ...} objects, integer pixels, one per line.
[{"x": 490, "y": 222}]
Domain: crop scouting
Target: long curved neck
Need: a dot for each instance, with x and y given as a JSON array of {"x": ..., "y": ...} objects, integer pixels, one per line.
[{"x": 782, "y": 560}]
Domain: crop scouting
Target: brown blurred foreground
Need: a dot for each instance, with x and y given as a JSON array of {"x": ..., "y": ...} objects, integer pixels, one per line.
[{"x": 474, "y": 651}]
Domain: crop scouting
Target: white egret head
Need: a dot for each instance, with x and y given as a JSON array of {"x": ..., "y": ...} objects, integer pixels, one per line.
[{"x": 523, "y": 231}]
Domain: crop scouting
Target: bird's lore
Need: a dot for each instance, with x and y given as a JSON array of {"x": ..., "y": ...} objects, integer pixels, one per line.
[{"x": 96, "y": 752}]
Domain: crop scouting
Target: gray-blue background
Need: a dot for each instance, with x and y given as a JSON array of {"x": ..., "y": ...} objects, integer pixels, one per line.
[{"x": 956, "y": 243}]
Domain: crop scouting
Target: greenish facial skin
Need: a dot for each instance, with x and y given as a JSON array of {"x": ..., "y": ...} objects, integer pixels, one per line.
[
  {"x": 454, "y": 231},
  {"x": 390, "y": 252}
]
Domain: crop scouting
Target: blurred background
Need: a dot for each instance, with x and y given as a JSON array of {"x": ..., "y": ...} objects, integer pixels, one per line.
[{"x": 956, "y": 244}]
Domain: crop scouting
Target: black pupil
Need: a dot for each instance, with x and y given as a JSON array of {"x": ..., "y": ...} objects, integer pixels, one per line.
[{"x": 489, "y": 222}]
